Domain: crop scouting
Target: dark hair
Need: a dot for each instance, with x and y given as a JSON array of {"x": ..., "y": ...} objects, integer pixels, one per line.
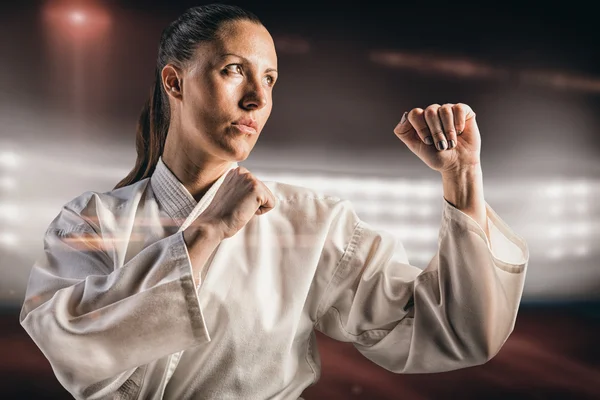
[{"x": 178, "y": 43}]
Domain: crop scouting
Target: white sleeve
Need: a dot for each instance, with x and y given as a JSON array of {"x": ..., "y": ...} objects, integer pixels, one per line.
[
  {"x": 456, "y": 313},
  {"x": 97, "y": 324}
]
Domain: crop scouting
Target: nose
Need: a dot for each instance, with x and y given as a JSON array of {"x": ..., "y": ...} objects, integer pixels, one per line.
[{"x": 255, "y": 96}]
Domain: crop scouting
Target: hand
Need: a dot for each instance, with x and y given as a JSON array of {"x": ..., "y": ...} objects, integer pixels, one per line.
[
  {"x": 445, "y": 137},
  {"x": 240, "y": 197}
]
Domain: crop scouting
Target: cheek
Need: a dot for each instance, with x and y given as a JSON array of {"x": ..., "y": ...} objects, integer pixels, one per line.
[
  {"x": 231, "y": 91},
  {"x": 269, "y": 107},
  {"x": 221, "y": 99},
  {"x": 214, "y": 100}
]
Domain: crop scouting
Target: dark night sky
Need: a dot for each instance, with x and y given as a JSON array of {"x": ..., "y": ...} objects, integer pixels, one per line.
[{"x": 542, "y": 34}]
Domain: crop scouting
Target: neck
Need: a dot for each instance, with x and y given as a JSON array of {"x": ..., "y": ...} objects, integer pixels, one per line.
[{"x": 197, "y": 172}]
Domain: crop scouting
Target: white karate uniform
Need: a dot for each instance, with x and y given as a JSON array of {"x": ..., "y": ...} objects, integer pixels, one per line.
[{"x": 113, "y": 306}]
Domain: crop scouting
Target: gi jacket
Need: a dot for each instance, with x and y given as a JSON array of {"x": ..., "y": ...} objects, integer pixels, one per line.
[{"x": 113, "y": 306}]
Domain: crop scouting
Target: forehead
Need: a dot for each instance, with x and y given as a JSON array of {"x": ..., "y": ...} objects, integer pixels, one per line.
[{"x": 246, "y": 39}]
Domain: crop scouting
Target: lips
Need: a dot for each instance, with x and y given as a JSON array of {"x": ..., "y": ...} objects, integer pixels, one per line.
[{"x": 247, "y": 125}]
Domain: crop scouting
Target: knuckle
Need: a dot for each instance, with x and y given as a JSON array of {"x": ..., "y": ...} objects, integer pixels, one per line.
[
  {"x": 432, "y": 110},
  {"x": 446, "y": 109},
  {"x": 254, "y": 184},
  {"x": 248, "y": 177},
  {"x": 461, "y": 106},
  {"x": 415, "y": 112}
]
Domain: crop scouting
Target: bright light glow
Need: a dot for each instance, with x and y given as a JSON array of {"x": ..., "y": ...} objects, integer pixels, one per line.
[
  {"x": 368, "y": 187},
  {"x": 556, "y": 232},
  {"x": 427, "y": 189},
  {"x": 581, "y": 229},
  {"x": 424, "y": 211},
  {"x": 9, "y": 212},
  {"x": 86, "y": 22},
  {"x": 581, "y": 208},
  {"x": 8, "y": 239},
  {"x": 400, "y": 189},
  {"x": 554, "y": 190},
  {"x": 556, "y": 253},
  {"x": 9, "y": 159},
  {"x": 581, "y": 188},
  {"x": 556, "y": 210},
  {"x": 77, "y": 17},
  {"x": 577, "y": 229},
  {"x": 7, "y": 183},
  {"x": 578, "y": 188},
  {"x": 582, "y": 251}
]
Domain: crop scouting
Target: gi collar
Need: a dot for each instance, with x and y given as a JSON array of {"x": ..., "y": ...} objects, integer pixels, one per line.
[{"x": 173, "y": 196}]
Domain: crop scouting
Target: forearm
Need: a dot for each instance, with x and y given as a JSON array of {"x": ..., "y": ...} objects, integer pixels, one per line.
[
  {"x": 464, "y": 190},
  {"x": 82, "y": 318}
]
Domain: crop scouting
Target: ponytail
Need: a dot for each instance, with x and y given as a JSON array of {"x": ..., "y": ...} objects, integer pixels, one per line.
[{"x": 152, "y": 128}]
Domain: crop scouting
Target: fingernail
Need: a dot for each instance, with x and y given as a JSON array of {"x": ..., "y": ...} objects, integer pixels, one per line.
[
  {"x": 451, "y": 144},
  {"x": 442, "y": 145},
  {"x": 428, "y": 140},
  {"x": 459, "y": 133},
  {"x": 403, "y": 118}
]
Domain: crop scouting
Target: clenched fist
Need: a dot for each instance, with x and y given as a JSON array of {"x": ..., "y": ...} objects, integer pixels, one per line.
[
  {"x": 445, "y": 137},
  {"x": 239, "y": 198}
]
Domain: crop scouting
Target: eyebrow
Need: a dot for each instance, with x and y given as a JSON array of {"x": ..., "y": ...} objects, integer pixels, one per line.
[{"x": 245, "y": 59}]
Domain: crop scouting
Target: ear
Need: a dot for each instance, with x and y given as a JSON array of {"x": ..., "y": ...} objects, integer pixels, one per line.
[{"x": 171, "y": 80}]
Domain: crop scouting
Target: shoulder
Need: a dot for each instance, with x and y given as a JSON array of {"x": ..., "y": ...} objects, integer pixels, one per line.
[
  {"x": 110, "y": 200},
  {"x": 90, "y": 206}
]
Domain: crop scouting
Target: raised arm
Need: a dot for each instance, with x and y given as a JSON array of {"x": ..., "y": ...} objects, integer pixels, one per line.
[{"x": 460, "y": 310}]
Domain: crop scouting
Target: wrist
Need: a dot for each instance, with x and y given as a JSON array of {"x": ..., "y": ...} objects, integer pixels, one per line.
[
  {"x": 202, "y": 231},
  {"x": 463, "y": 188},
  {"x": 201, "y": 241},
  {"x": 463, "y": 173}
]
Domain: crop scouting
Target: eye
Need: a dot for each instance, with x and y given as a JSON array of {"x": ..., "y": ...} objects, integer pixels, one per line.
[
  {"x": 269, "y": 80},
  {"x": 233, "y": 68}
]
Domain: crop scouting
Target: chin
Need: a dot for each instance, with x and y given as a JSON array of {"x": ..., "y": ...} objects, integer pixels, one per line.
[
  {"x": 241, "y": 153},
  {"x": 236, "y": 150},
  {"x": 242, "y": 158},
  {"x": 236, "y": 155}
]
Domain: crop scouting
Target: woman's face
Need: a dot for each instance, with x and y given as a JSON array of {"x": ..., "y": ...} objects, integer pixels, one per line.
[{"x": 227, "y": 92}]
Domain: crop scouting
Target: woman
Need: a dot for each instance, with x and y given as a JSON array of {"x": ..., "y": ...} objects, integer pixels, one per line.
[{"x": 195, "y": 280}]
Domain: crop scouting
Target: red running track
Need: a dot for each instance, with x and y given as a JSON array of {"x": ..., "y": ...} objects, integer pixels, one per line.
[{"x": 553, "y": 353}]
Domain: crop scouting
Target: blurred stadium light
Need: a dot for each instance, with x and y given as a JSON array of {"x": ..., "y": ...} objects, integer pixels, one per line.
[{"x": 558, "y": 217}]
